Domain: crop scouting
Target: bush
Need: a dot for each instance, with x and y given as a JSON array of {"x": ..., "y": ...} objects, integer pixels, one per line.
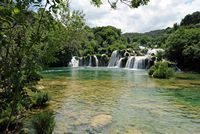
[
  {"x": 170, "y": 73},
  {"x": 160, "y": 55},
  {"x": 161, "y": 70},
  {"x": 43, "y": 123},
  {"x": 152, "y": 70},
  {"x": 5, "y": 118},
  {"x": 41, "y": 99}
]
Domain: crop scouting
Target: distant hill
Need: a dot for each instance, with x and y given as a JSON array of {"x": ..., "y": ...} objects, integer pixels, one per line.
[
  {"x": 191, "y": 19},
  {"x": 151, "y": 33}
]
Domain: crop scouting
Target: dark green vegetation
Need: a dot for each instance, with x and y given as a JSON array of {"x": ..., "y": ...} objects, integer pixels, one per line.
[
  {"x": 191, "y": 19},
  {"x": 29, "y": 41},
  {"x": 32, "y": 37},
  {"x": 130, "y": 3},
  {"x": 41, "y": 99},
  {"x": 102, "y": 40},
  {"x": 161, "y": 70},
  {"x": 183, "y": 47},
  {"x": 43, "y": 123}
]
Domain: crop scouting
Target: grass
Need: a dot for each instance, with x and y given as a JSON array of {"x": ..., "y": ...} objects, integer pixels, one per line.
[
  {"x": 188, "y": 76},
  {"x": 43, "y": 123}
]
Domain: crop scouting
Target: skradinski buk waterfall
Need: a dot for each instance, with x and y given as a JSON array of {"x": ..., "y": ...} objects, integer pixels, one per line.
[
  {"x": 74, "y": 62},
  {"x": 96, "y": 61},
  {"x": 119, "y": 64},
  {"x": 90, "y": 61},
  {"x": 114, "y": 59},
  {"x": 119, "y": 59},
  {"x": 139, "y": 62},
  {"x": 130, "y": 62},
  {"x": 154, "y": 51},
  {"x": 93, "y": 61}
]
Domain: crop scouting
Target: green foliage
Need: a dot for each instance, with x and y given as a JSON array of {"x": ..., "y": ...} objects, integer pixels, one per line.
[
  {"x": 192, "y": 19},
  {"x": 68, "y": 39},
  {"x": 29, "y": 41},
  {"x": 152, "y": 70},
  {"x": 4, "y": 118},
  {"x": 151, "y": 39},
  {"x": 8, "y": 120},
  {"x": 188, "y": 76},
  {"x": 41, "y": 99},
  {"x": 183, "y": 47},
  {"x": 101, "y": 40},
  {"x": 131, "y": 3},
  {"x": 161, "y": 70},
  {"x": 43, "y": 123}
]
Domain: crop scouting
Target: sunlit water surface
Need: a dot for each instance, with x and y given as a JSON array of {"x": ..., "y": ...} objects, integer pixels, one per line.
[{"x": 137, "y": 104}]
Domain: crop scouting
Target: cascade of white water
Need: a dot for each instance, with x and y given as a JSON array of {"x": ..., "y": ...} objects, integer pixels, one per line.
[
  {"x": 130, "y": 62},
  {"x": 74, "y": 62},
  {"x": 139, "y": 62},
  {"x": 114, "y": 59},
  {"x": 96, "y": 60},
  {"x": 119, "y": 64},
  {"x": 154, "y": 51},
  {"x": 90, "y": 61}
]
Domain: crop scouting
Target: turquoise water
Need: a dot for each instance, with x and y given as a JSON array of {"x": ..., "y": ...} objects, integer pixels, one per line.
[{"x": 136, "y": 103}]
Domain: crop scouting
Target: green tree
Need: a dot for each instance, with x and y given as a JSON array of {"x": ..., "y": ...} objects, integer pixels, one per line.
[
  {"x": 24, "y": 39},
  {"x": 183, "y": 48},
  {"x": 191, "y": 19},
  {"x": 130, "y": 3}
]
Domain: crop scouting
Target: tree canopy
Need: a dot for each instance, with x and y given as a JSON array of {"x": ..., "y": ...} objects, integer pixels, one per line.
[
  {"x": 183, "y": 47},
  {"x": 130, "y": 3},
  {"x": 191, "y": 19}
]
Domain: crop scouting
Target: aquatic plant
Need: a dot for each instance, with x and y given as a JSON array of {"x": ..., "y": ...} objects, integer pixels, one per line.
[
  {"x": 41, "y": 99},
  {"x": 43, "y": 123}
]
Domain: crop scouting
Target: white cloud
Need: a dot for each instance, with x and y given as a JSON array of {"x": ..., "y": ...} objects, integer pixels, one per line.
[{"x": 158, "y": 14}]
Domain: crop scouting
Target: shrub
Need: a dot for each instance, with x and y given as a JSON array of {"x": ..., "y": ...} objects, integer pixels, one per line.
[
  {"x": 41, "y": 99},
  {"x": 170, "y": 73},
  {"x": 7, "y": 119},
  {"x": 161, "y": 70},
  {"x": 43, "y": 123},
  {"x": 152, "y": 70}
]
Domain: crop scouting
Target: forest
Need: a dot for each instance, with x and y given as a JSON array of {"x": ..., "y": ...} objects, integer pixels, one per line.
[{"x": 35, "y": 36}]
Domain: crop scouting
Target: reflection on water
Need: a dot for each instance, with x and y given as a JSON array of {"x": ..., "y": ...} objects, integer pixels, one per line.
[{"x": 136, "y": 103}]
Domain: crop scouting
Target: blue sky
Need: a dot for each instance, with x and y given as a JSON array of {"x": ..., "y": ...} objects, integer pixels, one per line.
[{"x": 158, "y": 14}]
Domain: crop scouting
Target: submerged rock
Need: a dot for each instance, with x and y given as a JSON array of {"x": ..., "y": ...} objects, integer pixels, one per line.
[
  {"x": 134, "y": 131},
  {"x": 101, "y": 120}
]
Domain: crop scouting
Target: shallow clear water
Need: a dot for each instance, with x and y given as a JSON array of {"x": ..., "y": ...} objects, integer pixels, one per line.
[{"x": 136, "y": 103}]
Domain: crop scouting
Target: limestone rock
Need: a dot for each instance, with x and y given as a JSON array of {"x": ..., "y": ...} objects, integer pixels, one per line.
[{"x": 101, "y": 120}]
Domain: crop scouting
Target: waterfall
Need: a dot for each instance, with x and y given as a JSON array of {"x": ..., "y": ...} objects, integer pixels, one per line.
[
  {"x": 139, "y": 62},
  {"x": 96, "y": 60},
  {"x": 154, "y": 51},
  {"x": 130, "y": 62},
  {"x": 90, "y": 61},
  {"x": 74, "y": 62},
  {"x": 119, "y": 64},
  {"x": 114, "y": 59}
]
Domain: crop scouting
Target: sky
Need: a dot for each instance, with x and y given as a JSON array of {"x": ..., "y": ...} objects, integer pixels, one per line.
[{"x": 158, "y": 14}]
